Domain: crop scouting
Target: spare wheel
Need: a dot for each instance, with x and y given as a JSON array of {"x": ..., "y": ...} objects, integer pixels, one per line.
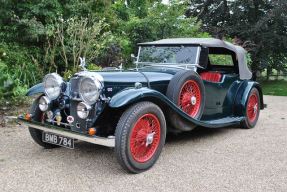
[{"x": 186, "y": 90}]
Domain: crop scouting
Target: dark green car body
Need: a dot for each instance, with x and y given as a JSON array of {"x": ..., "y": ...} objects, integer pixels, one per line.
[
  {"x": 175, "y": 86},
  {"x": 225, "y": 101}
]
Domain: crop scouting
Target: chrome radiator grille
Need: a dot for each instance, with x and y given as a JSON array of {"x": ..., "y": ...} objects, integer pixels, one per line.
[{"x": 74, "y": 82}]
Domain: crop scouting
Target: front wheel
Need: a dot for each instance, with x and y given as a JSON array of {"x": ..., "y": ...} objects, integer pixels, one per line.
[{"x": 140, "y": 137}]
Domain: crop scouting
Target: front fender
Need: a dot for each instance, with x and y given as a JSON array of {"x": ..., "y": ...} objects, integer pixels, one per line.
[
  {"x": 36, "y": 89},
  {"x": 133, "y": 95}
]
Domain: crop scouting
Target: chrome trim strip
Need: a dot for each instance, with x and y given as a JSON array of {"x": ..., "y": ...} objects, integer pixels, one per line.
[
  {"x": 179, "y": 66},
  {"x": 109, "y": 142}
]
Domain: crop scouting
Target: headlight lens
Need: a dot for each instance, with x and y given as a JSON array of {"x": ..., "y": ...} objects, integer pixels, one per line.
[
  {"x": 44, "y": 103},
  {"x": 53, "y": 85},
  {"x": 83, "y": 110},
  {"x": 89, "y": 90}
]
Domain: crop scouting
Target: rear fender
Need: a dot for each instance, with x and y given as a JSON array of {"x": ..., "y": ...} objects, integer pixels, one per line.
[
  {"x": 242, "y": 96},
  {"x": 36, "y": 89}
]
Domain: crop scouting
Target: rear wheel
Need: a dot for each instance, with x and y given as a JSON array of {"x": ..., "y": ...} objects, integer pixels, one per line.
[
  {"x": 36, "y": 134},
  {"x": 140, "y": 137},
  {"x": 186, "y": 90},
  {"x": 252, "y": 109}
]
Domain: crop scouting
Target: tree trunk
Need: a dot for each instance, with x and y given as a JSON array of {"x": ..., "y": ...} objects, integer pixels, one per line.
[
  {"x": 254, "y": 65},
  {"x": 269, "y": 71}
]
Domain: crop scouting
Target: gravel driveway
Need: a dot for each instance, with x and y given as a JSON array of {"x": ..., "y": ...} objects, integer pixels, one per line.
[{"x": 228, "y": 159}]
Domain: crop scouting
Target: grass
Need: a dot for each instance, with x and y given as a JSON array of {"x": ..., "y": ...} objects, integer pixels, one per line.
[{"x": 276, "y": 87}]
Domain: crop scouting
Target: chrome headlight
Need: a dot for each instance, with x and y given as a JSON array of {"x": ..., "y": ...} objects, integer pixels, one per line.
[
  {"x": 83, "y": 110},
  {"x": 89, "y": 89},
  {"x": 53, "y": 85},
  {"x": 44, "y": 103}
]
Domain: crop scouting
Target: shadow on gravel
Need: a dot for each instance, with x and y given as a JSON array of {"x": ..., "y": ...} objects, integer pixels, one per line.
[
  {"x": 171, "y": 138},
  {"x": 91, "y": 148},
  {"x": 196, "y": 134},
  {"x": 89, "y": 156}
]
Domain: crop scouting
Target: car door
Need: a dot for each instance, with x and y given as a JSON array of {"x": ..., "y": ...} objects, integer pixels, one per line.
[{"x": 221, "y": 80}]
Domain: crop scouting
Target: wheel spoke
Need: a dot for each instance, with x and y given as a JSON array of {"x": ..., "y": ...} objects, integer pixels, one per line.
[
  {"x": 190, "y": 89},
  {"x": 252, "y": 104},
  {"x": 142, "y": 144}
]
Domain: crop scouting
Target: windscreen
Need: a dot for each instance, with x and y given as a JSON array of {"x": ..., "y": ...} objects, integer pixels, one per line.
[{"x": 168, "y": 54}]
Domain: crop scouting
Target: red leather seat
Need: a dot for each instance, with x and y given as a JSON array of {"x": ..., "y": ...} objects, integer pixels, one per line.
[{"x": 211, "y": 76}]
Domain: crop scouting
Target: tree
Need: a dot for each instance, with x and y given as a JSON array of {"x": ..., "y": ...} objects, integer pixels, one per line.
[
  {"x": 260, "y": 23},
  {"x": 39, "y": 37},
  {"x": 161, "y": 21}
]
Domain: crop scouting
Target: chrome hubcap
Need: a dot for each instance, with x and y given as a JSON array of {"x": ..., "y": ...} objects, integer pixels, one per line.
[
  {"x": 149, "y": 138},
  {"x": 193, "y": 100}
]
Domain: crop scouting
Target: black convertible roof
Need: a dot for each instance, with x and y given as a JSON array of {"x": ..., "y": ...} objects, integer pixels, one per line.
[{"x": 240, "y": 52}]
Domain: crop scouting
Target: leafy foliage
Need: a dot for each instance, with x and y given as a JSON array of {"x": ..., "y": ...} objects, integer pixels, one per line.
[
  {"x": 258, "y": 25},
  {"x": 74, "y": 38},
  {"x": 38, "y": 37},
  {"x": 19, "y": 70}
]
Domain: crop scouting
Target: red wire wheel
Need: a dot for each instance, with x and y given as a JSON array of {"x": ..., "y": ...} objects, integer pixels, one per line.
[
  {"x": 190, "y": 98},
  {"x": 145, "y": 138},
  {"x": 140, "y": 136},
  {"x": 186, "y": 90},
  {"x": 252, "y": 107}
]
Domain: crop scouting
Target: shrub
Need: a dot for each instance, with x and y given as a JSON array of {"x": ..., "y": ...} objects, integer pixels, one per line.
[{"x": 19, "y": 70}]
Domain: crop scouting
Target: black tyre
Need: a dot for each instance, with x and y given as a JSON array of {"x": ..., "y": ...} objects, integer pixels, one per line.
[
  {"x": 140, "y": 137},
  {"x": 186, "y": 90},
  {"x": 36, "y": 134},
  {"x": 252, "y": 109}
]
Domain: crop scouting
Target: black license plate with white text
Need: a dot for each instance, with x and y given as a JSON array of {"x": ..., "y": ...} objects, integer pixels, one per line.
[{"x": 58, "y": 140}]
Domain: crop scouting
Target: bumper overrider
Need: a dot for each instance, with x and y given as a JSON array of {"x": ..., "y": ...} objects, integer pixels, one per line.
[{"x": 109, "y": 142}]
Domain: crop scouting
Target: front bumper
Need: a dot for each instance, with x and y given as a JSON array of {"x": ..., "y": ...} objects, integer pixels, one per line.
[{"x": 109, "y": 142}]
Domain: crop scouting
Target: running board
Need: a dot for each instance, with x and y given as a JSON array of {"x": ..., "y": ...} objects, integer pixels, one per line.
[{"x": 223, "y": 122}]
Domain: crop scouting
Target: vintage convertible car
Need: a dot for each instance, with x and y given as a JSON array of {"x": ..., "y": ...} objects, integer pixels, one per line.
[{"x": 176, "y": 85}]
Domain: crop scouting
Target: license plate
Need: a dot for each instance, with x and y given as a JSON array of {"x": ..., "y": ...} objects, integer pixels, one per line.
[{"x": 58, "y": 140}]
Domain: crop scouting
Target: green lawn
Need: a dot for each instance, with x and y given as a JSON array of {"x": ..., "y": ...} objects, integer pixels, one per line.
[{"x": 278, "y": 87}]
